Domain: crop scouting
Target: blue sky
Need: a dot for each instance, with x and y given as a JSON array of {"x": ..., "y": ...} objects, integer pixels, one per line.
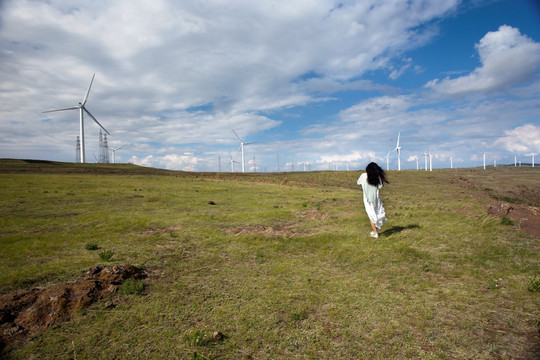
[{"x": 318, "y": 84}]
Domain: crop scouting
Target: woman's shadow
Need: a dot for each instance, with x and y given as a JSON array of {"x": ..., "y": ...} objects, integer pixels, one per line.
[{"x": 397, "y": 229}]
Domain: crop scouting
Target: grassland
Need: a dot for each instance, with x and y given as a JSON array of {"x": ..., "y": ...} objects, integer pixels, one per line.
[{"x": 281, "y": 265}]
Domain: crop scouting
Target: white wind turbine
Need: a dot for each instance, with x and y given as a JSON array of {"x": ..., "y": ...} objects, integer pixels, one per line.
[
  {"x": 81, "y": 107},
  {"x": 425, "y": 160},
  {"x": 398, "y": 149},
  {"x": 232, "y": 162},
  {"x": 387, "y": 164},
  {"x": 532, "y": 154},
  {"x": 114, "y": 152},
  {"x": 242, "y": 144}
]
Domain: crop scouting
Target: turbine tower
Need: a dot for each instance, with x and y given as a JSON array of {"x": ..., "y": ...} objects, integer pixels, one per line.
[
  {"x": 232, "y": 162},
  {"x": 114, "y": 152},
  {"x": 78, "y": 150},
  {"x": 106, "y": 150},
  {"x": 242, "y": 144},
  {"x": 81, "y": 107},
  {"x": 398, "y": 149},
  {"x": 425, "y": 160}
]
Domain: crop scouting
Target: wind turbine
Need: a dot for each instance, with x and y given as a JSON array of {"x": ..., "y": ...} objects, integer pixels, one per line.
[
  {"x": 425, "y": 160},
  {"x": 114, "y": 152},
  {"x": 398, "y": 149},
  {"x": 242, "y": 144},
  {"x": 81, "y": 107},
  {"x": 532, "y": 154},
  {"x": 232, "y": 162},
  {"x": 387, "y": 156}
]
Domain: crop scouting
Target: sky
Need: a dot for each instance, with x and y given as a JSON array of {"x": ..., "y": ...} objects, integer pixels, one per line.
[{"x": 307, "y": 85}]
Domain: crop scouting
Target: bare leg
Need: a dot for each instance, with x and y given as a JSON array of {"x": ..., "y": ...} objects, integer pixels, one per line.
[{"x": 373, "y": 227}]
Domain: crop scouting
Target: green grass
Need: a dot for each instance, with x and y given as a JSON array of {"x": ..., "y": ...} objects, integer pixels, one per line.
[{"x": 282, "y": 266}]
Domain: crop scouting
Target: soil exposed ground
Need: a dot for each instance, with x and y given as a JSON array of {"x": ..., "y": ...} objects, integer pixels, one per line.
[
  {"x": 516, "y": 197},
  {"x": 26, "y": 311}
]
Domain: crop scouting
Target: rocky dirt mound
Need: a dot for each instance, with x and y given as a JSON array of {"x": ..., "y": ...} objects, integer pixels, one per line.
[
  {"x": 527, "y": 218},
  {"x": 25, "y": 311}
]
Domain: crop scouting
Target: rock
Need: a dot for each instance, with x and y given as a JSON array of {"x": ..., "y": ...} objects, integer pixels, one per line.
[
  {"x": 217, "y": 335},
  {"x": 500, "y": 209},
  {"x": 211, "y": 203}
]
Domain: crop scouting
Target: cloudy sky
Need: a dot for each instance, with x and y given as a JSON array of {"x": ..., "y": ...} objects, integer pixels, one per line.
[{"x": 325, "y": 83}]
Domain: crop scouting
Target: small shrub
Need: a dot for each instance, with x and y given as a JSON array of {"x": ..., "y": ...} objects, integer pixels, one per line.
[
  {"x": 131, "y": 287},
  {"x": 534, "y": 284},
  {"x": 106, "y": 255},
  {"x": 299, "y": 315},
  {"x": 505, "y": 220},
  {"x": 91, "y": 246}
]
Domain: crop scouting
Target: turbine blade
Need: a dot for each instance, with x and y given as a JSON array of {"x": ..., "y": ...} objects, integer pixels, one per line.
[
  {"x": 237, "y": 136},
  {"x": 97, "y": 122},
  {"x": 397, "y": 145},
  {"x": 69, "y": 108},
  {"x": 239, "y": 151},
  {"x": 88, "y": 91}
]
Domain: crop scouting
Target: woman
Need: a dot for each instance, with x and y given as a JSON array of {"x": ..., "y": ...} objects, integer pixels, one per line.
[{"x": 371, "y": 181}]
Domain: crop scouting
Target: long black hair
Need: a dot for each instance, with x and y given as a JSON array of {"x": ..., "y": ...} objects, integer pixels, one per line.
[{"x": 375, "y": 174}]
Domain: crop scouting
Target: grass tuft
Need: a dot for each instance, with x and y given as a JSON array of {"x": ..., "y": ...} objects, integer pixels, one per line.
[
  {"x": 106, "y": 255},
  {"x": 534, "y": 284},
  {"x": 91, "y": 246},
  {"x": 131, "y": 287}
]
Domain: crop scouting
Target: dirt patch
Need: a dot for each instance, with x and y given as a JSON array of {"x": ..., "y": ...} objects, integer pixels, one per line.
[
  {"x": 279, "y": 230},
  {"x": 522, "y": 197},
  {"x": 526, "y": 218},
  {"x": 312, "y": 214},
  {"x": 26, "y": 311},
  {"x": 168, "y": 230}
]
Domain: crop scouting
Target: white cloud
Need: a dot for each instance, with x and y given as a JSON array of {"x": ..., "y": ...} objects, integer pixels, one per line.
[
  {"x": 523, "y": 139},
  {"x": 169, "y": 162},
  {"x": 396, "y": 73},
  {"x": 507, "y": 57}
]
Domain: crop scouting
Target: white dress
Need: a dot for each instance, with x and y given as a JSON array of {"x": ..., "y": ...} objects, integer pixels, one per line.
[{"x": 374, "y": 209}]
